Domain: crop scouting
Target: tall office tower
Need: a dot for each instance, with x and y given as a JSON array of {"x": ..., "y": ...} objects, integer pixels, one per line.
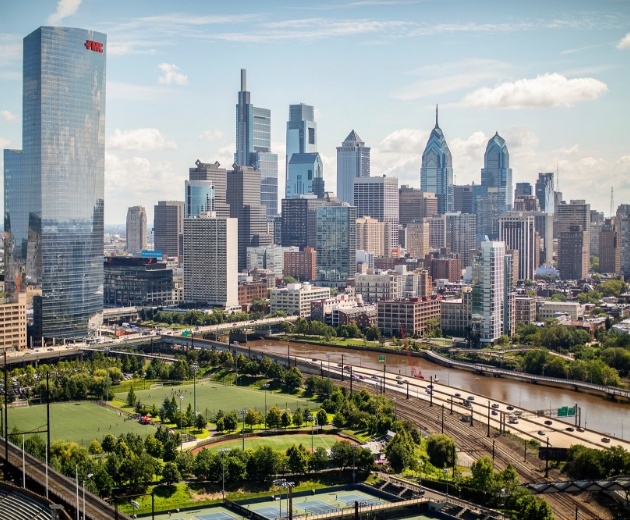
[
  {"x": 623, "y": 210},
  {"x": 373, "y": 236},
  {"x": 436, "y": 173},
  {"x": 353, "y": 161},
  {"x": 597, "y": 223},
  {"x": 377, "y": 197},
  {"x": 545, "y": 192},
  {"x": 213, "y": 173},
  {"x": 198, "y": 198},
  {"x": 461, "y": 234},
  {"x": 624, "y": 238},
  {"x": 414, "y": 204},
  {"x": 463, "y": 201},
  {"x": 518, "y": 231},
  {"x": 136, "y": 229},
  {"x": 253, "y": 147},
  {"x": 577, "y": 212},
  {"x": 489, "y": 205},
  {"x": 573, "y": 258},
  {"x": 243, "y": 196},
  {"x": 306, "y": 175},
  {"x": 210, "y": 263},
  {"x": 523, "y": 189},
  {"x": 336, "y": 242},
  {"x": 168, "y": 227},
  {"x": 437, "y": 231},
  {"x": 496, "y": 171},
  {"x": 526, "y": 203},
  {"x": 610, "y": 247},
  {"x": 544, "y": 228},
  {"x": 298, "y": 221},
  {"x": 301, "y": 138},
  {"x": 417, "y": 239},
  {"x": 54, "y": 240},
  {"x": 491, "y": 309}
]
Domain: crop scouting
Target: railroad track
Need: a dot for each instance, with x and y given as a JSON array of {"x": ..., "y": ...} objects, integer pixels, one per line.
[
  {"x": 61, "y": 487},
  {"x": 473, "y": 440}
]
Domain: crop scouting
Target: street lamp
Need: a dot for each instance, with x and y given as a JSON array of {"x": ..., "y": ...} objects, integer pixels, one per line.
[
  {"x": 265, "y": 386},
  {"x": 446, "y": 478},
  {"x": 288, "y": 486},
  {"x": 222, "y": 452},
  {"x": 328, "y": 358},
  {"x": 89, "y": 476},
  {"x": 243, "y": 413},
  {"x": 194, "y": 367}
]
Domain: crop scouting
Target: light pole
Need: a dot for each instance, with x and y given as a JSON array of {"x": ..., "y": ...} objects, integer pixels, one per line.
[
  {"x": 314, "y": 419},
  {"x": 89, "y": 476},
  {"x": 328, "y": 358},
  {"x": 394, "y": 399},
  {"x": 446, "y": 478},
  {"x": 194, "y": 367},
  {"x": 265, "y": 386},
  {"x": 181, "y": 421},
  {"x": 243, "y": 413},
  {"x": 222, "y": 452},
  {"x": 288, "y": 486}
]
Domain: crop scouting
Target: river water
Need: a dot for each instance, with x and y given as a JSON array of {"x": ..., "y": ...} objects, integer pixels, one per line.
[{"x": 599, "y": 414}]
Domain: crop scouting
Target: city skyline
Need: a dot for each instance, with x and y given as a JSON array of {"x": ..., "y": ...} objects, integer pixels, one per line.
[{"x": 550, "y": 78}]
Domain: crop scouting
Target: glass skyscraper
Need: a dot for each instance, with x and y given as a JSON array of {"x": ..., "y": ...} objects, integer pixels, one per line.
[
  {"x": 253, "y": 147},
  {"x": 301, "y": 139},
  {"x": 199, "y": 197},
  {"x": 496, "y": 171},
  {"x": 336, "y": 242},
  {"x": 55, "y": 241},
  {"x": 436, "y": 173},
  {"x": 353, "y": 161}
]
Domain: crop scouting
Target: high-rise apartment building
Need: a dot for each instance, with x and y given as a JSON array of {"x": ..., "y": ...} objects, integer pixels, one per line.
[
  {"x": 463, "y": 200},
  {"x": 298, "y": 221},
  {"x": 576, "y": 213},
  {"x": 492, "y": 314},
  {"x": 353, "y": 161},
  {"x": 336, "y": 241},
  {"x": 136, "y": 232},
  {"x": 414, "y": 204},
  {"x": 461, "y": 234},
  {"x": 518, "y": 231},
  {"x": 610, "y": 247},
  {"x": 377, "y": 197},
  {"x": 489, "y": 205},
  {"x": 624, "y": 237},
  {"x": 54, "y": 240},
  {"x": 210, "y": 261},
  {"x": 573, "y": 257},
  {"x": 168, "y": 227},
  {"x": 597, "y": 224},
  {"x": 496, "y": 171},
  {"x": 545, "y": 192},
  {"x": 253, "y": 147},
  {"x": 301, "y": 139},
  {"x": 417, "y": 240},
  {"x": 373, "y": 236},
  {"x": 436, "y": 173},
  {"x": 302, "y": 265},
  {"x": 437, "y": 231}
]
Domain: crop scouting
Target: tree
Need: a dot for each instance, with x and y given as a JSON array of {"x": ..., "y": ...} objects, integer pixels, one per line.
[
  {"x": 558, "y": 297},
  {"x": 274, "y": 417},
  {"x": 298, "y": 458},
  {"x": 322, "y": 417},
  {"x": 230, "y": 421},
  {"x": 95, "y": 448},
  {"x": 339, "y": 420},
  {"x": 319, "y": 459},
  {"x": 293, "y": 379},
  {"x": 530, "y": 507},
  {"x": 263, "y": 464},
  {"x": 341, "y": 454},
  {"x": 298, "y": 418},
  {"x": 285, "y": 419},
  {"x": 131, "y": 398},
  {"x": 252, "y": 417},
  {"x": 483, "y": 477},
  {"x": 109, "y": 443},
  {"x": 170, "y": 473},
  {"x": 185, "y": 461},
  {"x": 200, "y": 422},
  {"x": 441, "y": 450}
]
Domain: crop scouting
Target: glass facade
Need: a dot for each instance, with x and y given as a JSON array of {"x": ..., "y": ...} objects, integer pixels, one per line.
[
  {"x": 336, "y": 242},
  {"x": 61, "y": 182},
  {"x": 306, "y": 175},
  {"x": 353, "y": 161},
  {"x": 199, "y": 198},
  {"x": 301, "y": 139},
  {"x": 436, "y": 173},
  {"x": 496, "y": 171}
]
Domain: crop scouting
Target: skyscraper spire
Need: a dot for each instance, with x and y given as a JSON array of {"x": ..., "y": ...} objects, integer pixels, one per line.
[{"x": 436, "y": 117}]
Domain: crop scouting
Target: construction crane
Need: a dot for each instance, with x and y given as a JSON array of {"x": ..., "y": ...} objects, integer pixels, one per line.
[{"x": 415, "y": 372}]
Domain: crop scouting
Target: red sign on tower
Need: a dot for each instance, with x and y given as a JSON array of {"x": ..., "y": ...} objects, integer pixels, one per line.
[{"x": 91, "y": 45}]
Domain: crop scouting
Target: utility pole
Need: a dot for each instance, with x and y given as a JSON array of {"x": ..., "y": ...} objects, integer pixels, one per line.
[
  {"x": 488, "y": 434},
  {"x": 442, "y": 417},
  {"x": 431, "y": 391}
]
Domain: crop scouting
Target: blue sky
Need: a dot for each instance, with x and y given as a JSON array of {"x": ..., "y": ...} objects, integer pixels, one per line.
[{"x": 551, "y": 77}]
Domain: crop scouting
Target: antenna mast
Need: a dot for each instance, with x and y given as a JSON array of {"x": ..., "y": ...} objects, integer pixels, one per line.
[{"x": 612, "y": 201}]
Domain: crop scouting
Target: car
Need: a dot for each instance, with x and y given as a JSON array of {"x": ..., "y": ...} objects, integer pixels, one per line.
[
  {"x": 458, "y": 394},
  {"x": 494, "y": 412},
  {"x": 428, "y": 390},
  {"x": 374, "y": 376},
  {"x": 518, "y": 412},
  {"x": 580, "y": 430},
  {"x": 548, "y": 423},
  {"x": 315, "y": 360},
  {"x": 401, "y": 381},
  {"x": 605, "y": 439},
  {"x": 495, "y": 405},
  {"x": 570, "y": 429},
  {"x": 50, "y": 349},
  {"x": 541, "y": 432},
  {"x": 510, "y": 408},
  {"x": 398, "y": 377},
  {"x": 471, "y": 398}
]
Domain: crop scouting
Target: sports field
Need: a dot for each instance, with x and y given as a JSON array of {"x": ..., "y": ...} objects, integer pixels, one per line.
[
  {"x": 80, "y": 422},
  {"x": 278, "y": 442},
  {"x": 213, "y": 396}
]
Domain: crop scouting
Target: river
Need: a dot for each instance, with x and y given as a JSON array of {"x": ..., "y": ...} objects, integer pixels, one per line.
[{"x": 599, "y": 414}]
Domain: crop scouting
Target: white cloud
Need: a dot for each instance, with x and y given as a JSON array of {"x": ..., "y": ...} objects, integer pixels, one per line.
[
  {"x": 4, "y": 143},
  {"x": 10, "y": 49},
  {"x": 171, "y": 75},
  {"x": 119, "y": 91},
  {"x": 65, "y": 8},
  {"x": 7, "y": 116},
  {"x": 624, "y": 43},
  {"x": 399, "y": 155},
  {"x": 547, "y": 90},
  {"x": 144, "y": 139},
  {"x": 211, "y": 135}
]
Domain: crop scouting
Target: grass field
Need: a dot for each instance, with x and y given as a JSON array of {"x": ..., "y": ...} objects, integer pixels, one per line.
[
  {"x": 213, "y": 396},
  {"x": 80, "y": 422},
  {"x": 278, "y": 442}
]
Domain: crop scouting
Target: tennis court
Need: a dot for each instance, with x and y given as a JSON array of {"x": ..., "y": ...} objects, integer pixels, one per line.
[
  {"x": 215, "y": 516},
  {"x": 271, "y": 512},
  {"x": 316, "y": 507},
  {"x": 363, "y": 500}
]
